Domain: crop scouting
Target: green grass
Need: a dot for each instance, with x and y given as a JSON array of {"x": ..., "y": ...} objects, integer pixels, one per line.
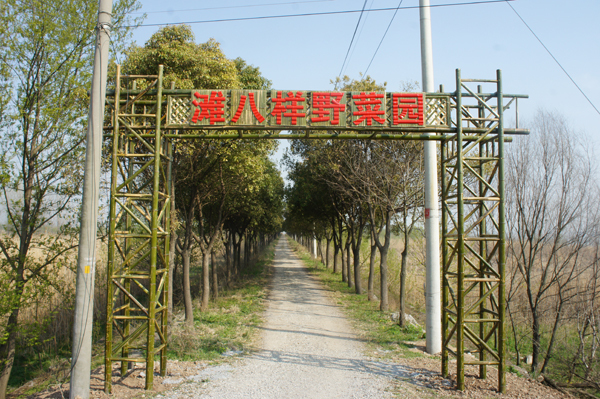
[
  {"x": 374, "y": 326},
  {"x": 230, "y": 322}
]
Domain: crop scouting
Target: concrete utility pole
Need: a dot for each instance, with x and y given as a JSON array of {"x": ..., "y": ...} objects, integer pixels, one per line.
[
  {"x": 86, "y": 262},
  {"x": 432, "y": 217}
]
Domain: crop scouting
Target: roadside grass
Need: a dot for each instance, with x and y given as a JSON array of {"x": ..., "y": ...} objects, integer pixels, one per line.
[
  {"x": 229, "y": 323},
  {"x": 384, "y": 337}
]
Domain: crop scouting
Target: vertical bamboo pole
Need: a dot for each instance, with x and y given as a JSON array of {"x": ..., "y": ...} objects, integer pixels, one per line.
[
  {"x": 167, "y": 241},
  {"x": 482, "y": 243},
  {"x": 111, "y": 239},
  {"x": 154, "y": 237},
  {"x": 460, "y": 311},
  {"x": 445, "y": 291},
  {"x": 129, "y": 146},
  {"x": 502, "y": 244}
]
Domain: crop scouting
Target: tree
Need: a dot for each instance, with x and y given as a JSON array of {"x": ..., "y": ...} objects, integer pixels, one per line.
[
  {"x": 187, "y": 64},
  {"x": 250, "y": 76},
  {"x": 367, "y": 183},
  {"x": 553, "y": 218},
  {"x": 242, "y": 173},
  {"x": 309, "y": 206},
  {"x": 325, "y": 165},
  {"x": 393, "y": 175},
  {"x": 362, "y": 180},
  {"x": 206, "y": 172},
  {"x": 46, "y": 73}
]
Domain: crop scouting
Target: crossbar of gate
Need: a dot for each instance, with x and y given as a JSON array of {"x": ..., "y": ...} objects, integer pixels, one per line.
[{"x": 142, "y": 125}]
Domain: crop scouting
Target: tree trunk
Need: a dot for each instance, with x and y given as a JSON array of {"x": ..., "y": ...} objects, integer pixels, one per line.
[
  {"x": 349, "y": 265},
  {"x": 246, "y": 252},
  {"x": 228, "y": 257},
  {"x": 383, "y": 284},
  {"x": 215, "y": 280},
  {"x": 238, "y": 246},
  {"x": 205, "y": 281},
  {"x": 236, "y": 257},
  {"x": 7, "y": 351},
  {"x": 187, "y": 292},
  {"x": 320, "y": 250},
  {"x": 552, "y": 336},
  {"x": 357, "y": 282},
  {"x": 371, "y": 283},
  {"x": 514, "y": 331},
  {"x": 185, "y": 250},
  {"x": 401, "y": 318},
  {"x": 343, "y": 259},
  {"x": 327, "y": 253},
  {"x": 172, "y": 254},
  {"x": 536, "y": 338},
  {"x": 403, "y": 271},
  {"x": 336, "y": 252}
]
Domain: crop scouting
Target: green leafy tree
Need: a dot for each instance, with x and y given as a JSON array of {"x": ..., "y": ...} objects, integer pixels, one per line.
[
  {"x": 250, "y": 76},
  {"x": 46, "y": 74},
  {"x": 337, "y": 164},
  {"x": 205, "y": 172},
  {"x": 365, "y": 181},
  {"x": 188, "y": 64}
]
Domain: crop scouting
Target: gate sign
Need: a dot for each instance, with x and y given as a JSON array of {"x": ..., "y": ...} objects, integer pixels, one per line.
[{"x": 297, "y": 110}]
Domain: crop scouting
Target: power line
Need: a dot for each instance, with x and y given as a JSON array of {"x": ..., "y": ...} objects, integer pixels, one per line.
[
  {"x": 353, "y": 35},
  {"x": 313, "y": 14},
  {"x": 230, "y": 7},
  {"x": 362, "y": 28},
  {"x": 384, "y": 34},
  {"x": 554, "y": 58}
]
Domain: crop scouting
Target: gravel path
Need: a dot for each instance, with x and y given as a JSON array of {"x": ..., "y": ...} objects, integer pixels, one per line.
[{"x": 308, "y": 348}]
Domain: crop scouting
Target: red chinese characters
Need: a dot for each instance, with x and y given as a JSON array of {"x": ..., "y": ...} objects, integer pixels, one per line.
[
  {"x": 211, "y": 107},
  {"x": 369, "y": 107},
  {"x": 253, "y": 107},
  {"x": 288, "y": 106},
  {"x": 407, "y": 108},
  {"x": 340, "y": 110},
  {"x": 326, "y": 107}
]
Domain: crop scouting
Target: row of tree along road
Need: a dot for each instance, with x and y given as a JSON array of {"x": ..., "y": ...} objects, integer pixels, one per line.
[{"x": 358, "y": 197}]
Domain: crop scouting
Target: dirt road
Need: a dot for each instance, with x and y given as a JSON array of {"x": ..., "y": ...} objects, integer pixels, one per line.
[{"x": 308, "y": 349}]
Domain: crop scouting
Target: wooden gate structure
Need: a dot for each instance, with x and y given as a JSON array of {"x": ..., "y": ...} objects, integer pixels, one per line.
[{"x": 144, "y": 120}]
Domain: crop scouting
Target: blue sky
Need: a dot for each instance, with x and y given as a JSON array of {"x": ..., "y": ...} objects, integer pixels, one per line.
[{"x": 307, "y": 52}]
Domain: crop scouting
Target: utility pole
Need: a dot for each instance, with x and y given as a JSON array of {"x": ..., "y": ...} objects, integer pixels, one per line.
[
  {"x": 86, "y": 261},
  {"x": 433, "y": 324}
]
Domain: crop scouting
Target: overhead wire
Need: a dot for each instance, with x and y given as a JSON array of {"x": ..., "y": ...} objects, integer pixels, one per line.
[
  {"x": 312, "y": 14},
  {"x": 383, "y": 37},
  {"x": 362, "y": 28},
  {"x": 233, "y": 7},
  {"x": 554, "y": 58},
  {"x": 353, "y": 36}
]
